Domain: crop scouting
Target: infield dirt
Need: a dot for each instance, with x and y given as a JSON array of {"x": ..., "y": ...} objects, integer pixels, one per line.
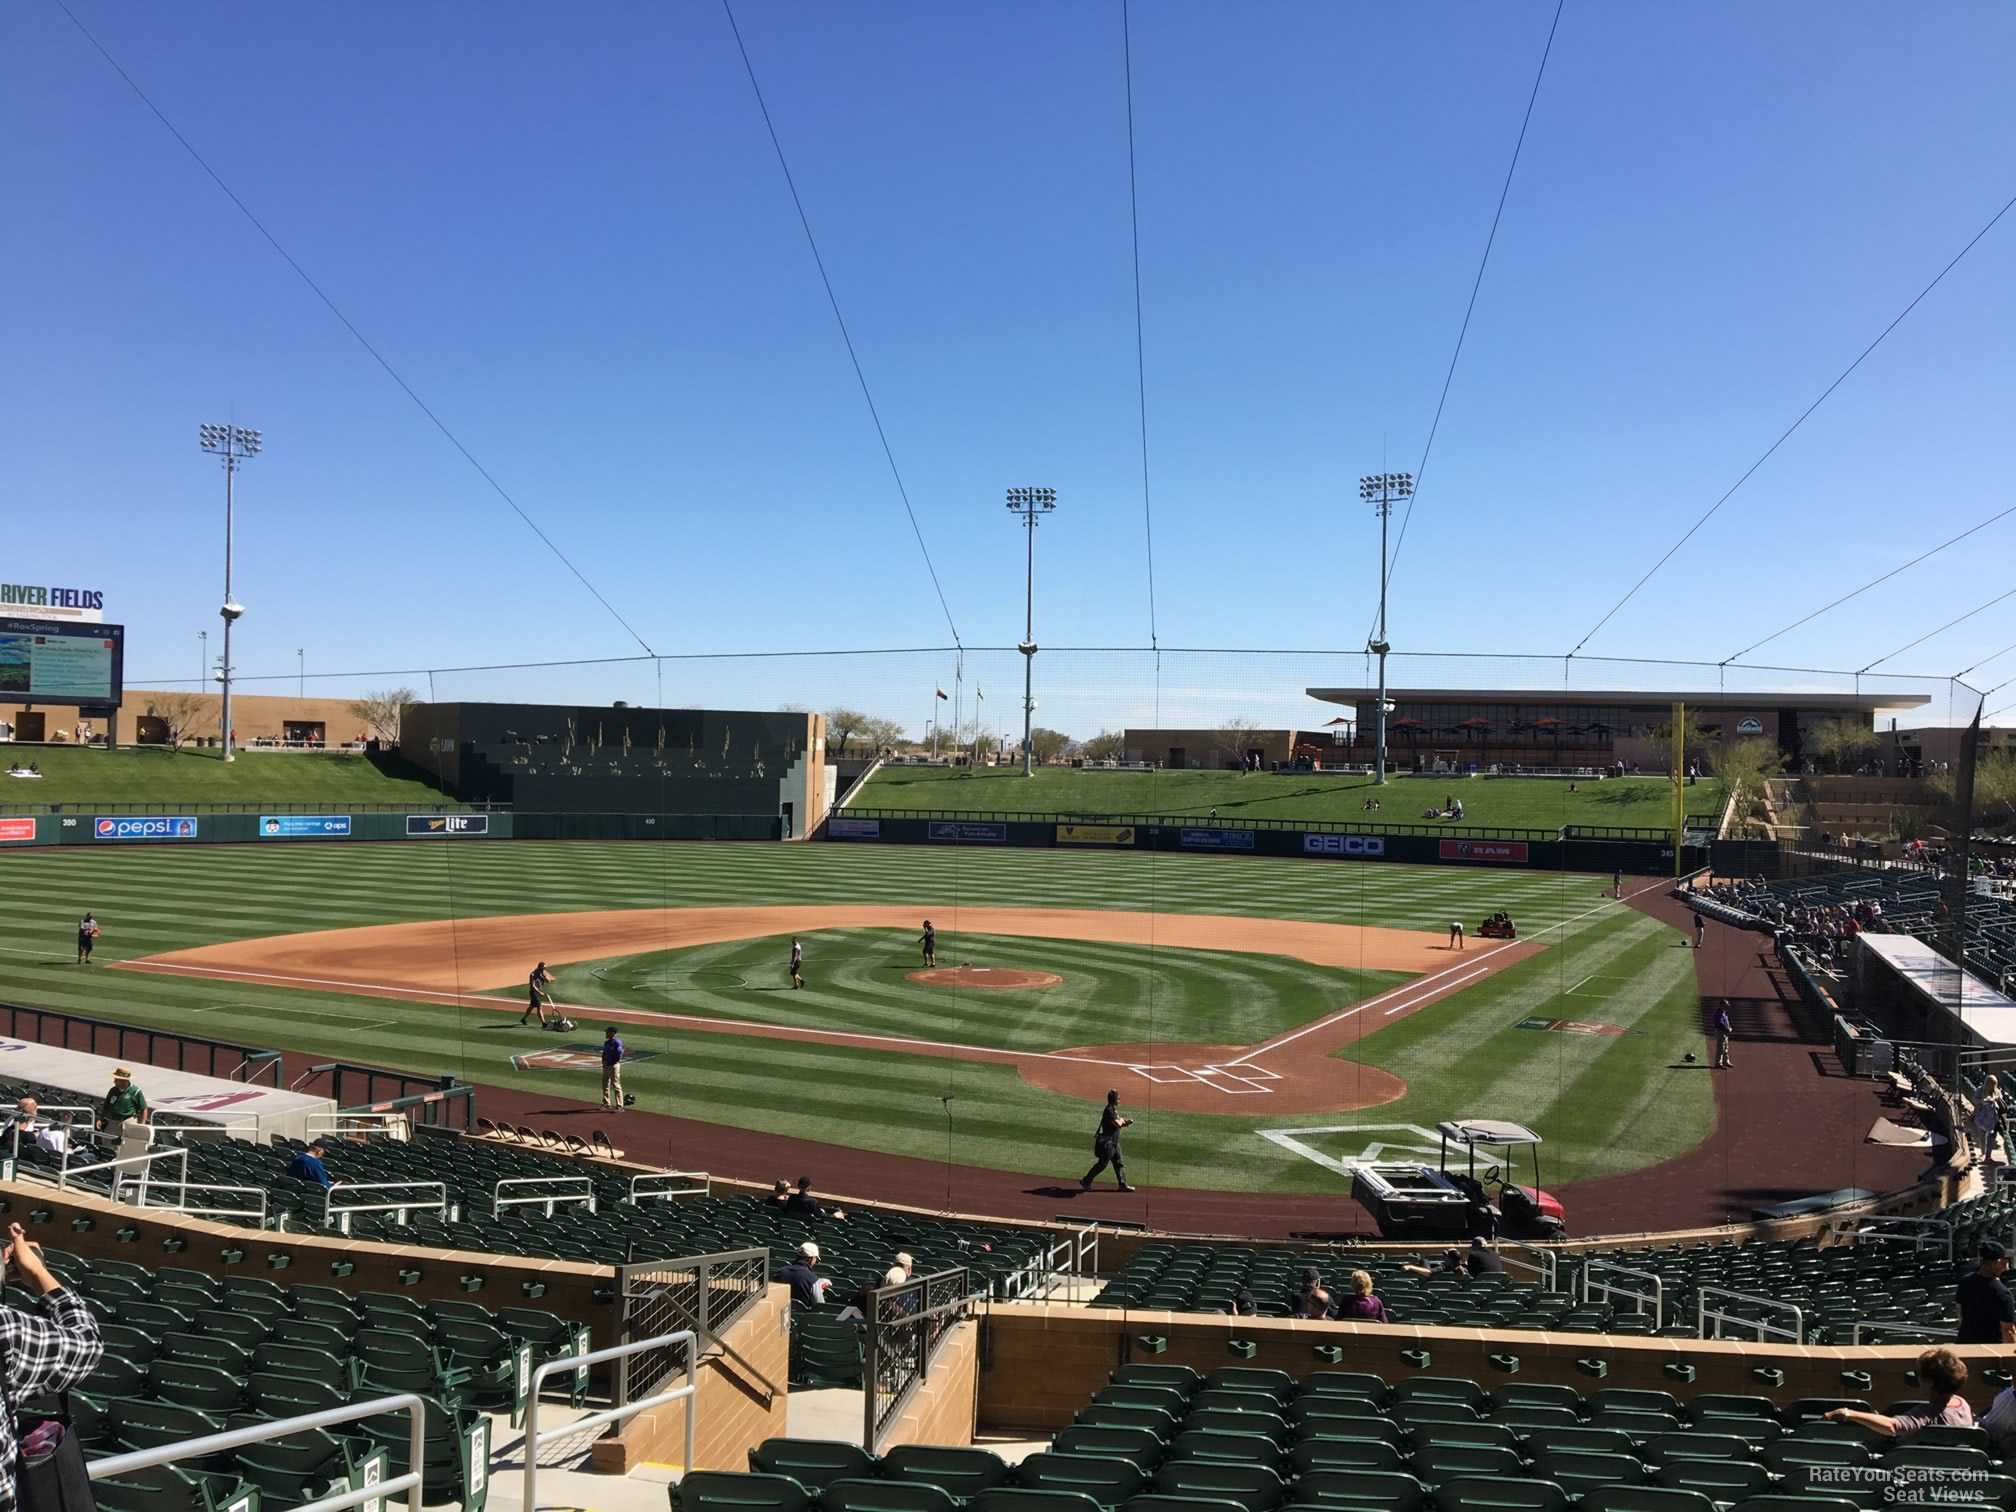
[{"x": 461, "y": 961}]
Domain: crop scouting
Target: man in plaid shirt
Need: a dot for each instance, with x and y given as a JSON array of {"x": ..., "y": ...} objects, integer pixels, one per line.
[{"x": 50, "y": 1353}]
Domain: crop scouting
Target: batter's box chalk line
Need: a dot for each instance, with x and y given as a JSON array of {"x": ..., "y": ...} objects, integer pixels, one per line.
[{"x": 1239, "y": 1082}]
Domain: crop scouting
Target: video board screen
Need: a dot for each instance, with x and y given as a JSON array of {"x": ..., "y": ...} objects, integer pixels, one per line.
[{"x": 65, "y": 663}]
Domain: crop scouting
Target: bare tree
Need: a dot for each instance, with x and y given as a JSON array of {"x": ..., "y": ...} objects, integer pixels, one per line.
[
  {"x": 1841, "y": 742},
  {"x": 1105, "y": 746},
  {"x": 380, "y": 710},
  {"x": 979, "y": 740},
  {"x": 882, "y": 734},
  {"x": 1235, "y": 737},
  {"x": 180, "y": 712},
  {"x": 1747, "y": 767},
  {"x": 842, "y": 725},
  {"x": 1047, "y": 745}
]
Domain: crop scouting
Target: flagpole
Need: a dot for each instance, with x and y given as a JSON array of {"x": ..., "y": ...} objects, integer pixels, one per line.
[{"x": 958, "y": 692}]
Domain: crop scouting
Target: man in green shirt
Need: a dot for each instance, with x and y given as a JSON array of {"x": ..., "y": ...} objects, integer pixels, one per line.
[{"x": 125, "y": 1101}]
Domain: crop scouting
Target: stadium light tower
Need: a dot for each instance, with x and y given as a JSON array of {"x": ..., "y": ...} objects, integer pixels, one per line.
[
  {"x": 233, "y": 444},
  {"x": 1029, "y": 503},
  {"x": 1380, "y": 490}
]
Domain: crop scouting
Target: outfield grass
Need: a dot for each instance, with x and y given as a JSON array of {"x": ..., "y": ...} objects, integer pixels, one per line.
[
  {"x": 155, "y": 774},
  {"x": 1604, "y": 1103},
  {"x": 1502, "y": 802}
]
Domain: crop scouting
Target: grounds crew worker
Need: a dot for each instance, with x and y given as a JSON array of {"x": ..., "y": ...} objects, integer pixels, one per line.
[{"x": 1106, "y": 1145}]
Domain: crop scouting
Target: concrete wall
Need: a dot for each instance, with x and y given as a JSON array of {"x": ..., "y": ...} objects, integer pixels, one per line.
[
  {"x": 1045, "y": 1362},
  {"x": 735, "y": 1407},
  {"x": 98, "y": 1229},
  {"x": 945, "y": 1407}
]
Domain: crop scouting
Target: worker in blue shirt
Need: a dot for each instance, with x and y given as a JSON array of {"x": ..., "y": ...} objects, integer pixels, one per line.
[
  {"x": 307, "y": 1166},
  {"x": 612, "y": 1069}
]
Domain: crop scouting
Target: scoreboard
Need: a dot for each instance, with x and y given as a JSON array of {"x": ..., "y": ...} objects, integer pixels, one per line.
[{"x": 62, "y": 662}]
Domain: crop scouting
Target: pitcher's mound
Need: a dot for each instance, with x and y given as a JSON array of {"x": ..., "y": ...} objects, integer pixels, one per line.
[{"x": 984, "y": 976}]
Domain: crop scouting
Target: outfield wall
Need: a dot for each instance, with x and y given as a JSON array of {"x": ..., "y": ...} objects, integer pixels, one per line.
[
  {"x": 88, "y": 828},
  {"x": 1639, "y": 857}
]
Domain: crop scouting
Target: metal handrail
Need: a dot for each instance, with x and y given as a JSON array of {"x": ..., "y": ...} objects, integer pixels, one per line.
[
  {"x": 68, "y": 1129},
  {"x": 579, "y": 1189},
  {"x": 1918, "y": 1231},
  {"x": 1702, "y": 1313},
  {"x": 412, "y": 1483},
  {"x": 331, "y": 1212},
  {"x": 1937, "y": 1330},
  {"x": 144, "y": 1161},
  {"x": 1083, "y": 1243},
  {"x": 355, "y": 1125},
  {"x": 202, "y": 1211},
  {"x": 1657, "y": 1296},
  {"x": 903, "y": 1306},
  {"x": 688, "y": 1392},
  {"x": 1546, "y": 1265},
  {"x": 639, "y": 1196}
]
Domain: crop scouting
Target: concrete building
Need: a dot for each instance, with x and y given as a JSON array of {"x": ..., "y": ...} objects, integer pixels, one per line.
[
  {"x": 1546, "y": 727},
  {"x": 145, "y": 718}
]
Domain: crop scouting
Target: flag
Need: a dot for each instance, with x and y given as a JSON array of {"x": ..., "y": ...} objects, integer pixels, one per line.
[
  {"x": 978, "y": 696},
  {"x": 942, "y": 693}
]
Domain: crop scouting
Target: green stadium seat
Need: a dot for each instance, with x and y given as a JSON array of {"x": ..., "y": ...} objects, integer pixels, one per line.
[
  {"x": 1772, "y": 1502},
  {"x": 1578, "y": 1441},
  {"x": 1412, "y": 1414},
  {"x": 1030, "y": 1499},
  {"x": 206, "y": 1349},
  {"x": 1225, "y": 1420},
  {"x": 1443, "y": 1389},
  {"x": 292, "y": 1471},
  {"x": 1162, "y": 1398},
  {"x": 308, "y": 1334},
  {"x": 1433, "y": 1464},
  {"x": 1490, "y": 1435},
  {"x": 1235, "y": 1448},
  {"x": 1579, "y": 1473},
  {"x": 163, "y": 1488},
  {"x": 815, "y": 1463},
  {"x": 1633, "y": 1399},
  {"x": 447, "y": 1437},
  {"x": 1256, "y": 1488},
  {"x": 201, "y": 1386},
  {"x": 959, "y": 1472},
  {"x": 885, "y": 1496},
  {"x": 1722, "y": 1480},
  {"x": 1728, "y": 1404},
  {"x": 1107, "y": 1481},
  {"x": 1276, "y": 1383},
  {"x": 1664, "y": 1448},
  {"x": 1644, "y": 1499},
  {"x": 739, "y": 1491},
  {"x": 1177, "y": 1377},
  {"x": 1138, "y": 1446},
  {"x": 1537, "y": 1394},
  {"x": 1315, "y": 1455},
  {"x": 284, "y": 1396},
  {"x": 1106, "y": 1415},
  {"x": 1350, "y": 1383},
  {"x": 1493, "y": 1493},
  {"x": 1362, "y": 1491}
]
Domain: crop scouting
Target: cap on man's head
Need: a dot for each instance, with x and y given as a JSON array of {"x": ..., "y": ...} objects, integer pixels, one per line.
[
  {"x": 1990, "y": 1250},
  {"x": 894, "y": 1276},
  {"x": 611, "y": 1030},
  {"x": 314, "y": 1145},
  {"x": 122, "y": 1074},
  {"x": 1476, "y": 1241},
  {"x": 904, "y": 1260},
  {"x": 810, "y": 1251}
]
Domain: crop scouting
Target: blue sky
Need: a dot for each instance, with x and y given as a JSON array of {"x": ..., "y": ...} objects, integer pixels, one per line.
[{"x": 575, "y": 244}]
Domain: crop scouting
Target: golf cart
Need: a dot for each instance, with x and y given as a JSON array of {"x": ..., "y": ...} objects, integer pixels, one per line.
[{"x": 1414, "y": 1200}]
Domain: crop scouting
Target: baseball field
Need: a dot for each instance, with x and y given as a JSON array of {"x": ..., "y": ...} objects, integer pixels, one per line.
[{"x": 1262, "y": 1019}]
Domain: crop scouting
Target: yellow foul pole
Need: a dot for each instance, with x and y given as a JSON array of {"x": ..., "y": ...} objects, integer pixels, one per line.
[{"x": 1679, "y": 781}]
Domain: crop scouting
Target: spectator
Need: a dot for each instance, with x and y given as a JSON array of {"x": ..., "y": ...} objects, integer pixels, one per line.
[
  {"x": 32, "y": 1129},
  {"x": 905, "y": 1263},
  {"x": 808, "y": 1288},
  {"x": 1243, "y": 1305},
  {"x": 779, "y": 1200},
  {"x": 1483, "y": 1260},
  {"x": 52, "y": 1352},
  {"x": 1452, "y": 1264},
  {"x": 124, "y": 1103},
  {"x": 307, "y": 1166},
  {"x": 1942, "y": 1373},
  {"x": 1362, "y": 1306},
  {"x": 802, "y": 1204},
  {"x": 1987, "y": 1311},
  {"x": 1312, "y": 1301}
]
